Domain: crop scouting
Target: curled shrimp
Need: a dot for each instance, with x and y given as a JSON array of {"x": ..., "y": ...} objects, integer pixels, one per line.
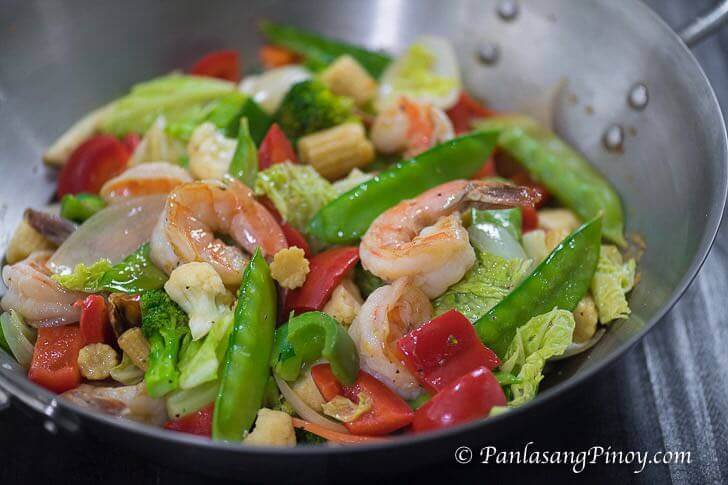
[
  {"x": 144, "y": 179},
  {"x": 410, "y": 128},
  {"x": 196, "y": 212},
  {"x": 33, "y": 294},
  {"x": 389, "y": 313},
  {"x": 131, "y": 402},
  {"x": 423, "y": 238}
]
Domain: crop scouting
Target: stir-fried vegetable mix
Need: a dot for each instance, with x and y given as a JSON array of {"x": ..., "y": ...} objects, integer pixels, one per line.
[{"x": 341, "y": 247}]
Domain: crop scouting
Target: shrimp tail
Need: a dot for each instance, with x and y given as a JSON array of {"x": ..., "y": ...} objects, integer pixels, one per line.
[{"x": 499, "y": 195}]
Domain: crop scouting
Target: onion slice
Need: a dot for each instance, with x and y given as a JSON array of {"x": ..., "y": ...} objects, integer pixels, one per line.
[
  {"x": 269, "y": 89},
  {"x": 112, "y": 233},
  {"x": 305, "y": 411}
]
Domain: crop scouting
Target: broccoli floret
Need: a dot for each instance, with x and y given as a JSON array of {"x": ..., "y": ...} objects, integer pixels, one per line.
[
  {"x": 164, "y": 324},
  {"x": 309, "y": 107}
]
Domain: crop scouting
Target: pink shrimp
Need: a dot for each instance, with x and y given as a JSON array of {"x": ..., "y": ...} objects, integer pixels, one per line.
[
  {"x": 196, "y": 212},
  {"x": 423, "y": 238}
]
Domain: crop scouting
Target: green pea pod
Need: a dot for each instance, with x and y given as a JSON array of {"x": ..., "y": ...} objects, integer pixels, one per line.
[
  {"x": 134, "y": 274},
  {"x": 80, "y": 207},
  {"x": 566, "y": 174},
  {"x": 561, "y": 280},
  {"x": 309, "y": 337},
  {"x": 244, "y": 165},
  {"x": 320, "y": 51},
  {"x": 345, "y": 219},
  {"x": 509, "y": 219},
  {"x": 245, "y": 370}
]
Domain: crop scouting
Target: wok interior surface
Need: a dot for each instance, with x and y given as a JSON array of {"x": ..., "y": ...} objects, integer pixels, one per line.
[{"x": 63, "y": 59}]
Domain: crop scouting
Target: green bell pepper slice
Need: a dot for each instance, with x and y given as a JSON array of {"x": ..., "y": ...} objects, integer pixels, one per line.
[
  {"x": 134, "y": 274},
  {"x": 80, "y": 207},
  {"x": 245, "y": 370},
  {"x": 345, "y": 219},
  {"x": 565, "y": 173},
  {"x": 509, "y": 219},
  {"x": 561, "y": 280},
  {"x": 309, "y": 337}
]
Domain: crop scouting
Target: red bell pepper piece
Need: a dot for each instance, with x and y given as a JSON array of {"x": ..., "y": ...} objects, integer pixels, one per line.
[
  {"x": 443, "y": 349},
  {"x": 275, "y": 148},
  {"x": 465, "y": 111},
  {"x": 272, "y": 56},
  {"x": 293, "y": 237},
  {"x": 327, "y": 271},
  {"x": 131, "y": 140},
  {"x": 529, "y": 220},
  {"x": 199, "y": 422},
  {"x": 94, "y": 325},
  {"x": 223, "y": 64},
  {"x": 389, "y": 412},
  {"x": 95, "y": 161},
  {"x": 470, "y": 397},
  {"x": 55, "y": 358},
  {"x": 488, "y": 170}
]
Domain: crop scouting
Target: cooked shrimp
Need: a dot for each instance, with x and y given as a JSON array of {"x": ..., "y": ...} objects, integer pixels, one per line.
[
  {"x": 389, "y": 313},
  {"x": 195, "y": 212},
  {"x": 410, "y": 127},
  {"x": 33, "y": 294},
  {"x": 131, "y": 402},
  {"x": 144, "y": 179},
  {"x": 423, "y": 237}
]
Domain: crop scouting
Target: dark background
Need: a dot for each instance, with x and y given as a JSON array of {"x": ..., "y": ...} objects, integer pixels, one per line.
[{"x": 668, "y": 394}]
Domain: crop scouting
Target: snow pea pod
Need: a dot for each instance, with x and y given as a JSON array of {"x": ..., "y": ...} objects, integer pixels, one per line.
[
  {"x": 345, "y": 219},
  {"x": 246, "y": 370},
  {"x": 566, "y": 174},
  {"x": 561, "y": 280},
  {"x": 244, "y": 165},
  {"x": 319, "y": 50}
]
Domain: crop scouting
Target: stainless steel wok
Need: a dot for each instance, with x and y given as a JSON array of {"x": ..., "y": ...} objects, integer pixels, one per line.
[{"x": 668, "y": 159}]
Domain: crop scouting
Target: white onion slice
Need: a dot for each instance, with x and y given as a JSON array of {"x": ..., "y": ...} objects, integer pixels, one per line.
[
  {"x": 304, "y": 410},
  {"x": 112, "y": 233},
  {"x": 269, "y": 88},
  {"x": 445, "y": 65},
  {"x": 495, "y": 239},
  {"x": 577, "y": 348}
]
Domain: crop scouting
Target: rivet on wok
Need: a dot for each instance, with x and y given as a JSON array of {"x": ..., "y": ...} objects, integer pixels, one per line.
[
  {"x": 613, "y": 138},
  {"x": 507, "y": 9},
  {"x": 488, "y": 53},
  {"x": 638, "y": 97}
]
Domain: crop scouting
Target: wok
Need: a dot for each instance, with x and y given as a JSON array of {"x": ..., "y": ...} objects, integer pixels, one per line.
[{"x": 668, "y": 159}]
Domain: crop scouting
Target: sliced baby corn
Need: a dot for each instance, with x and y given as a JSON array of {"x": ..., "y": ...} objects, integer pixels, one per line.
[{"x": 336, "y": 151}]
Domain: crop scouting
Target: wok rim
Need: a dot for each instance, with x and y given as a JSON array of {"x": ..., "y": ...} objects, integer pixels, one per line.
[{"x": 713, "y": 224}]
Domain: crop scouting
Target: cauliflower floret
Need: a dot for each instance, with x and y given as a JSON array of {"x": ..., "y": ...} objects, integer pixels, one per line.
[
  {"x": 199, "y": 290},
  {"x": 272, "y": 428},
  {"x": 210, "y": 152},
  {"x": 290, "y": 267},
  {"x": 557, "y": 219},
  {"x": 345, "y": 302}
]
